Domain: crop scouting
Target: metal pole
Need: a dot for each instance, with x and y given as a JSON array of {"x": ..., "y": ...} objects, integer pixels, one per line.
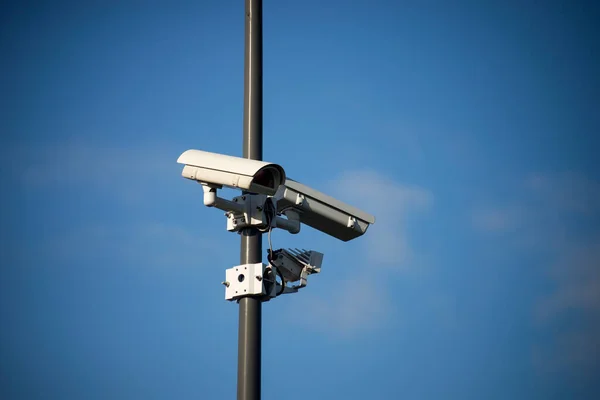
[{"x": 250, "y": 319}]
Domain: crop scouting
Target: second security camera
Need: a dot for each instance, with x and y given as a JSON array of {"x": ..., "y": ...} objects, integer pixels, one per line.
[
  {"x": 235, "y": 172},
  {"x": 322, "y": 212}
]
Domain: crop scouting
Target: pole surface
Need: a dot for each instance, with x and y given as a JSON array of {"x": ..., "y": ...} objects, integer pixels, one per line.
[{"x": 250, "y": 318}]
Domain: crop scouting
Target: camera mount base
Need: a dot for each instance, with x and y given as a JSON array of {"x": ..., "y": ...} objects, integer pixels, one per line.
[
  {"x": 251, "y": 213},
  {"x": 255, "y": 279}
]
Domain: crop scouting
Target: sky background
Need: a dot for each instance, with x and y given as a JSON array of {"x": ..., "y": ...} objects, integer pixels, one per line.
[{"x": 470, "y": 129}]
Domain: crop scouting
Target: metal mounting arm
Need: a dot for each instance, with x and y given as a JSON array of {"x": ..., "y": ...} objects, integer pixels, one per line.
[
  {"x": 291, "y": 224},
  {"x": 212, "y": 200},
  {"x": 248, "y": 210}
]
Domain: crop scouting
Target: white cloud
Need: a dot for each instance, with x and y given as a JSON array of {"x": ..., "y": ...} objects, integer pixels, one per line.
[
  {"x": 362, "y": 300},
  {"x": 125, "y": 177},
  {"x": 355, "y": 305},
  {"x": 126, "y": 173},
  {"x": 392, "y": 203},
  {"x": 495, "y": 219},
  {"x": 146, "y": 244}
]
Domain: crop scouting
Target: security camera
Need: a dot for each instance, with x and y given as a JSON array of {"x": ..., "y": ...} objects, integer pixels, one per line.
[
  {"x": 294, "y": 265},
  {"x": 291, "y": 262},
  {"x": 217, "y": 170},
  {"x": 322, "y": 212}
]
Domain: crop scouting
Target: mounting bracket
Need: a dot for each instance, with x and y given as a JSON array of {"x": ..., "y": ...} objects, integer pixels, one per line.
[
  {"x": 249, "y": 214},
  {"x": 255, "y": 279}
]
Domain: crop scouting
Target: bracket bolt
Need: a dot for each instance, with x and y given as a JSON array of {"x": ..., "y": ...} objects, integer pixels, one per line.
[
  {"x": 225, "y": 283},
  {"x": 258, "y": 278}
]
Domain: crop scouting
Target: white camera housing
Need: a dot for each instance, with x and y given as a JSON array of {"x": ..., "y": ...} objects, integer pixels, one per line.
[
  {"x": 220, "y": 170},
  {"x": 322, "y": 212}
]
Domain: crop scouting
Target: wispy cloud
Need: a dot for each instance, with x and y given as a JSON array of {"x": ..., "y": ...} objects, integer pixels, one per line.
[
  {"x": 393, "y": 204},
  {"x": 557, "y": 219},
  {"x": 357, "y": 305},
  {"x": 357, "y": 302},
  {"x": 576, "y": 297},
  {"x": 360, "y": 302},
  {"x": 126, "y": 178},
  {"x": 495, "y": 219},
  {"x": 123, "y": 172},
  {"x": 577, "y": 273},
  {"x": 149, "y": 244}
]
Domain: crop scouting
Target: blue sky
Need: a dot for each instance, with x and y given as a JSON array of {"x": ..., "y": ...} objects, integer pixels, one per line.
[{"x": 469, "y": 129}]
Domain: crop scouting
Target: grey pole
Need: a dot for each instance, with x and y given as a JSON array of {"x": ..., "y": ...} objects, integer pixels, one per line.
[{"x": 250, "y": 320}]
